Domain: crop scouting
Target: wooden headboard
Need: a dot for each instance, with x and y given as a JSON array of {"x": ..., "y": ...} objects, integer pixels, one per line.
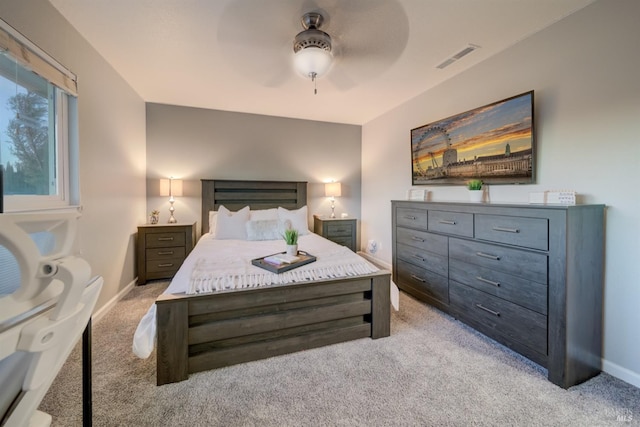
[{"x": 235, "y": 195}]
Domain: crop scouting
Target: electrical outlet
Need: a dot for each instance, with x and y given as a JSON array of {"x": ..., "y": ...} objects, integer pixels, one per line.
[{"x": 372, "y": 246}]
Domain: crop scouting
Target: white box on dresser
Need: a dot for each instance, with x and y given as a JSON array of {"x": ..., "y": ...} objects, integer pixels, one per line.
[{"x": 530, "y": 277}]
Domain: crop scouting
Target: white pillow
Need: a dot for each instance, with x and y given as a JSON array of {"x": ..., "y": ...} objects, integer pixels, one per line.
[
  {"x": 264, "y": 214},
  {"x": 231, "y": 225},
  {"x": 267, "y": 229},
  {"x": 213, "y": 218},
  {"x": 298, "y": 219}
]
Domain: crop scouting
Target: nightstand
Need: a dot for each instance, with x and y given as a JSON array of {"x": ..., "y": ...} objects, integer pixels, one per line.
[
  {"x": 340, "y": 230},
  {"x": 162, "y": 248}
]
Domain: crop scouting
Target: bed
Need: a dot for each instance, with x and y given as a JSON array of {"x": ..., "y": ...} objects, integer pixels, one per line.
[{"x": 198, "y": 332}]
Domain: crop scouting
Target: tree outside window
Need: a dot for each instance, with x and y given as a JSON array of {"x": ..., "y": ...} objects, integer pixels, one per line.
[{"x": 27, "y": 134}]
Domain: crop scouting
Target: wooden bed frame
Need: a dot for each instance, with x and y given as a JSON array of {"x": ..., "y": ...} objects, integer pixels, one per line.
[{"x": 202, "y": 332}]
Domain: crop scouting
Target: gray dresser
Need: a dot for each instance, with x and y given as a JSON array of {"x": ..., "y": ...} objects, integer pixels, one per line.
[{"x": 528, "y": 276}]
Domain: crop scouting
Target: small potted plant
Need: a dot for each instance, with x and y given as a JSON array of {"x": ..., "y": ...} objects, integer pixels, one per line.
[
  {"x": 291, "y": 239},
  {"x": 475, "y": 190}
]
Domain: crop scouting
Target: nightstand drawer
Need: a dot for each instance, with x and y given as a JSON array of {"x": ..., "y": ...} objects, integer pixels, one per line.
[
  {"x": 344, "y": 241},
  {"x": 339, "y": 230},
  {"x": 165, "y": 253},
  {"x": 163, "y": 240},
  {"x": 170, "y": 265}
]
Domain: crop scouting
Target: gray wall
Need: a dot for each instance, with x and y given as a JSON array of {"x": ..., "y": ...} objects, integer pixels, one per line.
[
  {"x": 112, "y": 144},
  {"x": 194, "y": 143},
  {"x": 585, "y": 71}
]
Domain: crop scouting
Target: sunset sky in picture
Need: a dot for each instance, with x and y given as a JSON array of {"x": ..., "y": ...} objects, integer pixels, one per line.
[{"x": 484, "y": 131}]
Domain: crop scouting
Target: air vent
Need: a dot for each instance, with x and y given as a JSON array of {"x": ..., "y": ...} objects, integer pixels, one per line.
[{"x": 464, "y": 52}]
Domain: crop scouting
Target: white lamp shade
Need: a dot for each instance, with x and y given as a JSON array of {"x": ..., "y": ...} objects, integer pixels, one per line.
[
  {"x": 170, "y": 187},
  {"x": 312, "y": 60},
  {"x": 176, "y": 187},
  {"x": 165, "y": 187},
  {"x": 333, "y": 189}
]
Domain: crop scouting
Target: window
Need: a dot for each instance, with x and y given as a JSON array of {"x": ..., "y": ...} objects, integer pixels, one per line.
[{"x": 37, "y": 115}]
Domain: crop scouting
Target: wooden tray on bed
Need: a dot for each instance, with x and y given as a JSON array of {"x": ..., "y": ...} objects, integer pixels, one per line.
[{"x": 305, "y": 258}]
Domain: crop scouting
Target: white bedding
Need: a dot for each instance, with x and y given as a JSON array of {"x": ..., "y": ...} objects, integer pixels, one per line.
[{"x": 216, "y": 264}]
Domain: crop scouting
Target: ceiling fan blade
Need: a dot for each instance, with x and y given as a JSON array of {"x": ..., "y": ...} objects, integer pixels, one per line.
[
  {"x": 254, "y": 45},
  {"x": 368, "y": 37}
]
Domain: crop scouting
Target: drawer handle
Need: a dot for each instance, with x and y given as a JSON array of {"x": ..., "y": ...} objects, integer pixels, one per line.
[
  {"x": 165, "y": 253},
  {"x": 507, "y": 230},
  {"x": 447, "y": 222},
  {"x": 491, "y": 282},
  {"x": 413, "y": 218},
  {"x": 419, "y": 258},
  {"x": 488, "y": 310},
  {"x": 170, "y": 264},
  {"x": 340, "y": 230},
  {"x": 493, "y": 257},
  {"x": 165, "y": 238},
  {"x": 413, "y": 276},
  {"x": 417, "y": 239}
]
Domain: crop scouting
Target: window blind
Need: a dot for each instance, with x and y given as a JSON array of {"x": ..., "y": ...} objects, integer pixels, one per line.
[{"x": 32, "y": 57}]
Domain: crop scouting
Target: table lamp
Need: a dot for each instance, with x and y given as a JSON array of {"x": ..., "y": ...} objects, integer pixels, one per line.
[
  {"x": 171, "y": 187},
  {"x": 333, "y": 190}
]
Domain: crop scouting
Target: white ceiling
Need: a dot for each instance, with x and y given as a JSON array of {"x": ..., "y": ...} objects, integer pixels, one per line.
[{"x": 236, "y": 55}]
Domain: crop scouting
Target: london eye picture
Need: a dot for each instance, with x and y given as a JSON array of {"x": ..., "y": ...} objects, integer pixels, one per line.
[{"x": 494, "y": 143}]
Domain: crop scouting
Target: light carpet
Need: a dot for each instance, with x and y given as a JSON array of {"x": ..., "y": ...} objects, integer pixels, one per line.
[{"x": 431, "y": 371}]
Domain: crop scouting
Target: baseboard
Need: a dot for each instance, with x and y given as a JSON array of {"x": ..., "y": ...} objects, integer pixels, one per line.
[
  {"x": 375, "y": 261},
  {"x": 102, "y": 311},
  {"x": 622, "y": 373}
]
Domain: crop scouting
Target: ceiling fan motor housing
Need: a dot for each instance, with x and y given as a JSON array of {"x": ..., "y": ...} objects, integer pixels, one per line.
[
  {"x": 312, "y": 36},
  {"x": 312, "y": 48}
]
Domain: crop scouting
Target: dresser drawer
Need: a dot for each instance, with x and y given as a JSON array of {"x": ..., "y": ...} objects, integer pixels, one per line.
[
  {"x": 519, "y": 231},
  {"x": 523, "y": 292},
  {"x": 455, "y": 223},
  {"x": 419, "y": 239},
  {"x": 164, "y": 240},
  {"x": 437, "y": 263},
  {"x": 165, "y": 253},
  {"x": 412, "y": 218},
  {"x": 495, "y": 316},
  {"x": 526, "y": 265},
  {"x": 424, "y": 282},
  {"x": 339, "y": 230}
]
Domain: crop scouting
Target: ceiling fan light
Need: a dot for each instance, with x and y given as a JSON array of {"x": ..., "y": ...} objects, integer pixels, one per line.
[{"x": 312, "y": 60}]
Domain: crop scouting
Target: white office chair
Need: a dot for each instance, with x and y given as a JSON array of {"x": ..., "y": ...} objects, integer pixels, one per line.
[{"x": 47, "y": 296}]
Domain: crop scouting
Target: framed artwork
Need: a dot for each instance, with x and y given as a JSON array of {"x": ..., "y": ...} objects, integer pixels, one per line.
[{"x": 494, "y": 143}]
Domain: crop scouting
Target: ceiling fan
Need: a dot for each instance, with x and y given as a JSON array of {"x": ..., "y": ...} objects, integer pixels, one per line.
[
  {"x": 347, "y": 43},
  {"x": 312, "y": 48}
]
